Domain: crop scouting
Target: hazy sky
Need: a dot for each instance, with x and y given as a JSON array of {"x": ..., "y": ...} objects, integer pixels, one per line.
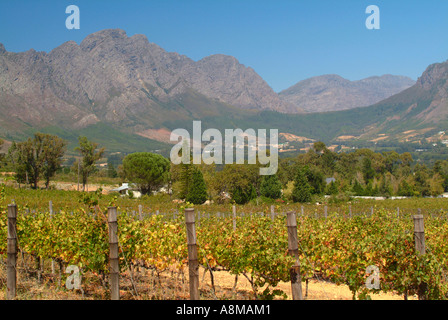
[{"x": 284, "y": 41}]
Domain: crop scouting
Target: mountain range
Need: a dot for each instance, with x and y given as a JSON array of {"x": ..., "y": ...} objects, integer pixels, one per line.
[
  {"x": 334, "y": 93},
  {"x": 128, "y": 94}
]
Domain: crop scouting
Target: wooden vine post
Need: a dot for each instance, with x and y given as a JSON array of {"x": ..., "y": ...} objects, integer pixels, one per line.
[
  {"x": 140, "y": 212},
  {"x": 419, "y": 240},
  {"x": 114, "y": 268},
  {"x": 293, "y": 250},
  {"x": 193, "y": 264},
  {"x": 50, "y": 204},
  {"x": 11, "y": 282},
  {"x": 234, "y": 217}
]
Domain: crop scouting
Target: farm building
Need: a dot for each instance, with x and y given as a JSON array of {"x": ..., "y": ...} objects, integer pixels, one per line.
[{"x": 125, "y": 188}]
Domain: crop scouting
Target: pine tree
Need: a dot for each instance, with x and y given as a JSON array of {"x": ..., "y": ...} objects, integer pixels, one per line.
[
  {"x": 186, "y": 172},
  {"x": 332, "y": 188},
  {"x": 186, "y": 179},
  {"x": 243, "y": 196},
  {"x": 302, "y": 189},
  {"x": 197, "y": 193},
  {"x": 358, "y": 189},
  {"x": 271, "y": 187}
]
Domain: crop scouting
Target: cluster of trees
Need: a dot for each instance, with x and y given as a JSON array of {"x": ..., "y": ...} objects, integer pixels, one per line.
[
  {"x": 42, "y": 156},
  {"x": 298, "y": 179},
  {"x": 36, "y": 158},
  {"x": 366, "y": 173}
]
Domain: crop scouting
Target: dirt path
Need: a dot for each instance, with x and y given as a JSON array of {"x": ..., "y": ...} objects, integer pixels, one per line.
[{"x": 317, "y": 290}]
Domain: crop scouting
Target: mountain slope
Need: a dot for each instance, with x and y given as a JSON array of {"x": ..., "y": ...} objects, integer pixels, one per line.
[
  {"x": 115, "y": 88},
  {"x": 124, "y": 81},
  {"x": 334, "y": 93},
  {"x": 416, "y": 113}
]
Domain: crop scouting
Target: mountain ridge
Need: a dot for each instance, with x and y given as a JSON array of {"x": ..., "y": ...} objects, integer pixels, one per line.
[
  {"x": 334, "y": 93},
  {"x": 115, "y": 78},
  {"x": 121, "y": 86}
]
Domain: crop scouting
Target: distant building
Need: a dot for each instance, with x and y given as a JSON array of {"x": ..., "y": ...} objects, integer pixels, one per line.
[{"x": 125, "y": 188}]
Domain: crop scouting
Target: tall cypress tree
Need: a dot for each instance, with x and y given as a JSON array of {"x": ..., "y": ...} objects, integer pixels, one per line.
[
  {"x": 302, "y": 188},
  {"x": 271, "y": 187},
  {"x": 197, "y": 193}
]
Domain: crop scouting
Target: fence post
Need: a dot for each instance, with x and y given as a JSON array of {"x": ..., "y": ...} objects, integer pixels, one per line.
[
  {"x": 234, "y": 217},
  {"x": 272, "y": 212},
  {"x": 325, "y": 212},
  {"x": 50, "y": 204},
  {"x": 193, "y": 264},
  {"x": 140, "y": 212},
  {"x": 419, "y": 239},
  {"x": 114, "y": 269},
  {"x": 293, "y": 250},
  {"x": 12, "y": 253},
  {"x": 350, "y": 212}
]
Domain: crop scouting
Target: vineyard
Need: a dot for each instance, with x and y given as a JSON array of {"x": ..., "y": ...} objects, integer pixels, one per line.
[{"x": 335, "y": 245}]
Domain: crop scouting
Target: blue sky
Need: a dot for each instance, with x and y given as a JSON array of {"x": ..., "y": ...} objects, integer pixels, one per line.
[{"x": 284, "y": 41}]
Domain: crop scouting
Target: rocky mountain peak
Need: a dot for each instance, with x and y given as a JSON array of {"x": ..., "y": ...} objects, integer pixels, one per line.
[
  {"x": 125, "y": 81},
  {"x": 108, "y": 35},
  {"x": 433, "y": 74}
]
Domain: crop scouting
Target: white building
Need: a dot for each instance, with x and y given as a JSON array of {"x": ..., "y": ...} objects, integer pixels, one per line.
[{"x": 125, "y": 188}]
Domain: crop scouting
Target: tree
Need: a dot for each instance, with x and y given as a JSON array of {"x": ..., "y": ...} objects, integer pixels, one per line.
[
  {"x": 302, "y": 189},
  {"x": 90, "y": 155},
  {"x": 198, "y": 190},
  {"x": 111, "y": 171},
  {"x": 436, "y": 185},
  {"x": 358, "y": 189},
  {"x": 367, "y": 170},
  {"x": 182, "y": 174},
  {"x": 185, "y": 179},
  {"x": 319, "y": 147},
  {"x": 37, "y": 157},
  {"x": 316, "y": 179},
  {"x": 53, "y": 152},
  {"x": 392, "y": 160},
  {"x": 271, "y": 187},
  {"x": 441, "y": 168},
  {"x": 18, "y": 166},
  {"x": 2, "y": 156},
  {"x": 421, "y": 178},
  {"x": 286, "y": 170},
  {"x": 332, "y": 188},
  {"x": 149, "y": 171},
  {"x": 405, "y": 189},
  {"x": 243, "y": 196},
  {"x": 234, "y": 176}
]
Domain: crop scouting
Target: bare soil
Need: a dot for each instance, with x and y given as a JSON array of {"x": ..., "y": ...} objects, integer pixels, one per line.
[{"x": 146, "y": 284}]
